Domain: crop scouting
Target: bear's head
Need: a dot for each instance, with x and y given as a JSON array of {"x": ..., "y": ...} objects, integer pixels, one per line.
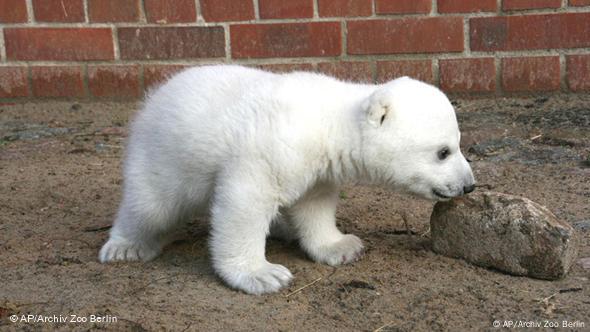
[{"x": 410, "y": 140}]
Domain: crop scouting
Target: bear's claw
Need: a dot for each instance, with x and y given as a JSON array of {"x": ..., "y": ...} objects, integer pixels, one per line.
[
  {"x": 347, "y": 250},
  {"x": 268, "y": 278},
  {"x": 117, "y": 249}
]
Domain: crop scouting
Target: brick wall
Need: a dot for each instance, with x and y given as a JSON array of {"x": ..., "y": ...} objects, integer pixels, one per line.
[{"x": 115, "y": 49}]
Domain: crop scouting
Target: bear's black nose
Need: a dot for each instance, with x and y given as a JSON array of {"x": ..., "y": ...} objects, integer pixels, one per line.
[{"x": 468, "y": 189}]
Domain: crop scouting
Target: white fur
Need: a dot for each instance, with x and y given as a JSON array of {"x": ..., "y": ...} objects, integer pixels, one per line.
[{"x": 249, "y": 147}]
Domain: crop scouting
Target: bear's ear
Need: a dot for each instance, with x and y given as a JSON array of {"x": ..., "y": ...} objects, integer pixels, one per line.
[{"x": 377, "y": 109}]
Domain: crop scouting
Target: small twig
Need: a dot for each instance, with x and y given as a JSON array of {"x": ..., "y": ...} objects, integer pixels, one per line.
[
  {"x": 187, "y": 327},
  {"x": 80, "y": 150},
  {"x": 425, "y": 234},
  {"x": 546, "y": 299},
  {"x": 400, "y": 232},
  {"x": 33, "y": 303},
  {"x": 303, "y": 287},
  {"x": 334, "y": 270},
  {"x": 405, "y": 219},
  {"x": 193, "y": 247},
  {"x": 569, "y": 290},
  {"x": 134, "y": 323},
  {"x": 97, "y": 229},
  {"x": 84, "y": 135},
  {"x": 384, "y": 326},
  {"x": 536, "y": 137},
  {"x": 344, "y": 289},
  {"x": 111, "y": 146},
  {"x": 137, "y": 290},
  {"x": 69, "y": 239},
  {"x": 85, "y": 123}
]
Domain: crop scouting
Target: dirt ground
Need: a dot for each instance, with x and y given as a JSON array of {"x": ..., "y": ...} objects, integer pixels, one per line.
[{"x": 60, "y": 183}]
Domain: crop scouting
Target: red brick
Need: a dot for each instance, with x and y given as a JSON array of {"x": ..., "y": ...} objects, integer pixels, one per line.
[
  {"x": 418, "y": 69},
  {"x": 59, "y": 44},
  {"x": 227, "y": 10},
  {"x": 467, "y": 75},
  {"x": 13, "y": 82},
  {"x": 466, "y": 6},
  {"x": 171, "y": 42},
  {"x": 154, "y": 75},
  {"x": 113, "y": 10},
  {"x": 509, "y": 33},
  {"x": 402, "y": 7},
  {"x": 578, "y": 72},
  {"x": 286, "y": 67},
  {"x": 170, "y": 11},
  {"x": 57, "y": 81},
  {"x": 58, "y": 10},
  {"x": 348, "y": 71},
  {"x": 408, "y": 35},
  {"x": 531, "y": 74},
  {"x": 286, "y": 40},
  {"x": 13, "y": 11},
  {"x": 114, "y": 81},
  {"x": 344, "y": 8},
  {"x": 579, "y": 3},
  {"x": 529, "y": 4},
  {"x": 285, "y": 9}
]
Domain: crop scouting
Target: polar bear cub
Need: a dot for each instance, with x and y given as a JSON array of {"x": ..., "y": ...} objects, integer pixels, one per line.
[{"x": 254, "y": 149}]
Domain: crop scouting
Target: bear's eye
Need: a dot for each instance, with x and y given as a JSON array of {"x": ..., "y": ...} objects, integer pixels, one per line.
[{"x": 443, "y": 153}]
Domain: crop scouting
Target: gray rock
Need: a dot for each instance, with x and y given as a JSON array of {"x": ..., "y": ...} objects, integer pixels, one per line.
[
  {"x": 582, "y": 225},
  {"x": 505, "y": 232}
]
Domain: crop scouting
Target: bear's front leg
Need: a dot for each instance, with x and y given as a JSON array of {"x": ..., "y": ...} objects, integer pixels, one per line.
[
  {"x": 242, "y": 210},
  {"x": 314, "y": 217}
]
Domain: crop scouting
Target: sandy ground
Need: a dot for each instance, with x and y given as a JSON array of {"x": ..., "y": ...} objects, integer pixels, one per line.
[{"x": 60, "y": 184}]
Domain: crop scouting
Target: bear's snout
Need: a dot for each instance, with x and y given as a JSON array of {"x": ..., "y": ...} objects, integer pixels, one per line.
[{"x": 468, "y": 189}]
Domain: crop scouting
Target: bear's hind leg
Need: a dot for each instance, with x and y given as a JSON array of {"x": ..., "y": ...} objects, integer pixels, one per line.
[
  {"x": 281, "y": 228},
  {"x": 141, "y": 230},
  {"x": 314, "y": 217}
]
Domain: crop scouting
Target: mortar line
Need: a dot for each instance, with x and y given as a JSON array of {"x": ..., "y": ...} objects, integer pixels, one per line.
[
  {"x": 142, "y": 12},
  {"x": 316, "y": 10},
  {"x": 29, "y": 72},
  {"x": 227, "y": 37},
  {"x": 2, "y": 47},
  {"x": 360, "y": 58},
  {"x": 562, "y": 73},
  {"x": 466, "y": 38},
  {"x": 256, "y": 10},
  {"x": 498, "y": 69},
  {"x": 141, "y": 79},
  {"x": 435, "y": 71},
  {"x": 115, "y": 35},
  {"x": 86, "y": 15},
  {"x": 85, "y": 81},
  {"x": 200, "y": 19},
  {"x": 343, "y": 35},
  {"x": 269, "y": 21},
  {"x": 30, "y": 11},
  {"x": 138, "y": 100}
]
